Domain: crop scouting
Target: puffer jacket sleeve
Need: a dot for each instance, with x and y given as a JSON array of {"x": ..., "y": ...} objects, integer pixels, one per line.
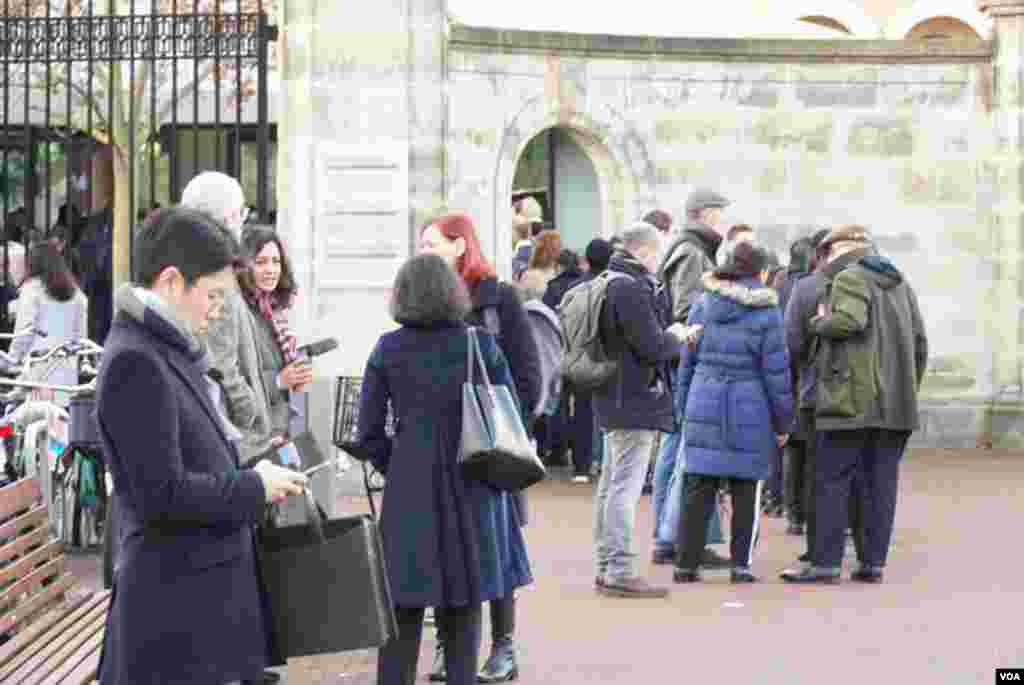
[
  {"x": 775, "y": 371},
  {"x": 519, "y": 347},
  {"x": 688, "y": 362},
  {"x": 372, "y": 438}
]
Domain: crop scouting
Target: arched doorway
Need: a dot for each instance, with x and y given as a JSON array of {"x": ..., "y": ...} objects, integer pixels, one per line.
[{"x": 557, "y": 168}]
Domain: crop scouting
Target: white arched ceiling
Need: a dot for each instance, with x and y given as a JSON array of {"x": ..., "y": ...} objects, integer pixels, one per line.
[{"x": 966, "y": 11}]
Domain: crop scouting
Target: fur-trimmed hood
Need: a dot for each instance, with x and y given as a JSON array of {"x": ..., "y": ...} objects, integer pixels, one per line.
[
  {"x": 729, "y": 300},
  {"x": 748, "y": 291}
]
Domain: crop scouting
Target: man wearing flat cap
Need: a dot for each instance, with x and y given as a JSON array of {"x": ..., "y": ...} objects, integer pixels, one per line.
[
  {"x": 686, "y": 260},
  {"x": 871, "y": 358}
]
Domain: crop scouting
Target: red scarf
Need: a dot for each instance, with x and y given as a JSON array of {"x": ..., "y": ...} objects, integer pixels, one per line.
[{"x": 279, "y": 322}]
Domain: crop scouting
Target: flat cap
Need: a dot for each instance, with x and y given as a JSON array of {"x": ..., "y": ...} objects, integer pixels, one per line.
[
  {"x": 702, "y": 199},
  {"x": 843, "y": 234}
]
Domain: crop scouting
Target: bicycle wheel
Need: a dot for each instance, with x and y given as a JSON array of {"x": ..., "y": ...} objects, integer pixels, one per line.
[{"x": 57, "y": 508}]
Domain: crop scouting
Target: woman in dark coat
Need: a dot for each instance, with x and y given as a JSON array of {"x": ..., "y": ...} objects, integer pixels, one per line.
[
  {"x": 496, "y": 308},
  {"x": 449, "y": 542},
  {"x": 186, "y": 605},
  {"x": 735, "y": 390}
]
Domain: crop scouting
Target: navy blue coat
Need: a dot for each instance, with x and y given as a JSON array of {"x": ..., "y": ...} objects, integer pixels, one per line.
[
  {"x": 448, "y": 541},
  {"x": 515, "y": 337},
  {"x": 633, "y": 330},
  {"x": 734, "y": 388},
  {"x": 186, "y": 605}
]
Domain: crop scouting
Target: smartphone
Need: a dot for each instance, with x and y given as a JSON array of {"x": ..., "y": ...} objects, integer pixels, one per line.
[
  {"x": 289, "y": 456},
  {"x": 319, "y": 467}
]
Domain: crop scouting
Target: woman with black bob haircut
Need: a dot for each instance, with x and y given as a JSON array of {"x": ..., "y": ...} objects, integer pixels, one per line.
[
  {"x": 51, "y": 303},
  {"x": 449, "y": 542},
  {"x": 187, "y": 606}
]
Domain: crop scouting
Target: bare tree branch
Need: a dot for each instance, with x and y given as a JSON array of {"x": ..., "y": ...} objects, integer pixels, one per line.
[{"x": 192, "y": 86}]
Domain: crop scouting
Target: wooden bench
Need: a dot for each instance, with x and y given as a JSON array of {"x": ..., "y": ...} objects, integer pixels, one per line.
[{"x": 51, "y": 638}]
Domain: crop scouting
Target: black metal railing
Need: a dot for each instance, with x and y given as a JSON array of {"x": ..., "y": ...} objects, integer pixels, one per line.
[{"x": 94, "y": 103}]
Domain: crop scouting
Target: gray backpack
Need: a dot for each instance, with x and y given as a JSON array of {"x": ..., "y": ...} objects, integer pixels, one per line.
[
  {"x": 586, "y": 365},
  {"x": 547, "y": 333}
]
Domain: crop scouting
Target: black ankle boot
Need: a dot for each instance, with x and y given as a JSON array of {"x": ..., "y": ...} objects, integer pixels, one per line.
[
  {"x": 501, "y": 666},
  {"x": 438, "y": 673}
]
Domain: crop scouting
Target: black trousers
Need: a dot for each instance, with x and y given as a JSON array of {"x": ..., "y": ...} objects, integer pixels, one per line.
[
  {"x": 582, "y": 430},
  {"x": 396, "y": 663},
  {"x": 693, "y": 524},
  {"x": 866, "y": 463},
  {"x": 795, "y": 488},
  {"x": 503, "y": 619}
]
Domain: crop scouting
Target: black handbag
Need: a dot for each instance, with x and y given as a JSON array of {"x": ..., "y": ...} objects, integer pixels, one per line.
[
  {"x": 495, "y": 448},
  {"x": 326, "y": 585}
]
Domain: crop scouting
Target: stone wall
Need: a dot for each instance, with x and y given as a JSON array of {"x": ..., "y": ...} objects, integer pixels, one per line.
[
  {"x": 890, "y": 135},
  {"x": 390, "y": 114}
]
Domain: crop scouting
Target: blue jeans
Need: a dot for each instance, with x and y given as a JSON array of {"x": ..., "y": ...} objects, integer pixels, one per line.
[{"x": 669, "y": 482}]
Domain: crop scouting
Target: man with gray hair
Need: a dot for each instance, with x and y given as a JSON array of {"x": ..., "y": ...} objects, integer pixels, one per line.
[
  {"x": 632, "y": 407},
  {"x": 230, "y": 341}
]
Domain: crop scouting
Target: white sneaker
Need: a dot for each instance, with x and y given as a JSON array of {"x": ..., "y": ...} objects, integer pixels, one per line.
[{"x": 581, "y": 479}]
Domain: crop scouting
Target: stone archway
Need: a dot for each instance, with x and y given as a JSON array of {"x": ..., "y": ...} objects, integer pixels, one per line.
[
  {"x": 624, "y": 170},
  {"x": 965, "y": 11}
]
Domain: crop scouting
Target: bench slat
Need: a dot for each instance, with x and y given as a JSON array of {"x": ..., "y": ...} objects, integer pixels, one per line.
[
  {"x": 82, "y": 668},
  {"x": 40, "y": 600},
  {"x": 24, "y": 566},
  {"x": 18, "y": 496},
  {"x": 54, "y": 620},
  {"x": 22, "y": 543},
  {"x": 36, "y": 517},
  {"x": 51, "y": 657},
  {"x": 50, "y": 643}
]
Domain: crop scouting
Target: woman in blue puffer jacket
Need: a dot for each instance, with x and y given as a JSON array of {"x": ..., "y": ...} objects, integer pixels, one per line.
[{"x": 734, "y": 390}]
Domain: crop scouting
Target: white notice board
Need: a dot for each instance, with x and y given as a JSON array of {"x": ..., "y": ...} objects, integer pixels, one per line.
[{"x": 361, "y": 235}]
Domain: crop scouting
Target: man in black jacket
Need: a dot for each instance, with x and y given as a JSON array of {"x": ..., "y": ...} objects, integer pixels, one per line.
[
  {"x": 874, "y": 351},
  {"x": 632, "y": 407}
]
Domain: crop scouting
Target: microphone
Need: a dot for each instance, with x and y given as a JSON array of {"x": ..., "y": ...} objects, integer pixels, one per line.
[{"x": 318, "y": 348}]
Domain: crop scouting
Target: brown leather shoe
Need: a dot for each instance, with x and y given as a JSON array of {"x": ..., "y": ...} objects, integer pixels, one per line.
[{"x": 635, "y": 587}]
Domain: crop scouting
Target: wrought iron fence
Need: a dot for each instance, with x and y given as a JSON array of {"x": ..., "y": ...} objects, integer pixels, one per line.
[{"x": 114, "y": 103}]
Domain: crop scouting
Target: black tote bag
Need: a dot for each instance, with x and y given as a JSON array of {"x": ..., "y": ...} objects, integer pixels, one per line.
[
  {"x": 326, "y": 585},
  {"x": 495, "y": 447}
]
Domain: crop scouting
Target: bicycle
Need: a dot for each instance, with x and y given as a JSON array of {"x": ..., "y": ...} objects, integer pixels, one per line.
[{"x": 64, "y": 443}]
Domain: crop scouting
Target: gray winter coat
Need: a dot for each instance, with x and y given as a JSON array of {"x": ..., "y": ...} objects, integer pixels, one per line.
[
  {"x": 231, "y": 345},
  {"x": 687, "y": 259}
]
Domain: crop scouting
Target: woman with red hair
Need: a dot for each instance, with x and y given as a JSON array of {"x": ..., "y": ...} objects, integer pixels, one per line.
[{"x": 496, "y": 307}]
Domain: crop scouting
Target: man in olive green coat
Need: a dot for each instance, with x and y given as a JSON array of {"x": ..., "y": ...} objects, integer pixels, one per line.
[{"x": 872, "y": 354}]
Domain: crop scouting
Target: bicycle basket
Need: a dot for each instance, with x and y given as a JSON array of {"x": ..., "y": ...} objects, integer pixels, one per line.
[
  {"x": 347, "y": 392},
  {"x": 83, "y": 430}
]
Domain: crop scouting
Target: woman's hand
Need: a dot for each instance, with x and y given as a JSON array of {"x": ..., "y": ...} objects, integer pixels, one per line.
[
  {"x": 781, "y": 439},
  {"x": 278, "y": 482},
  {"x": 296, "y": 375}
]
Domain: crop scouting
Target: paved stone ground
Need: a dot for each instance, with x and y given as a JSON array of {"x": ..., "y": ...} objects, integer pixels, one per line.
[{"x": 949, "y": 612}]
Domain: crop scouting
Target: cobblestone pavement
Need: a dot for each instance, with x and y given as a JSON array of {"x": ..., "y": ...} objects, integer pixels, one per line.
[{"x": 949, "y": 611}]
